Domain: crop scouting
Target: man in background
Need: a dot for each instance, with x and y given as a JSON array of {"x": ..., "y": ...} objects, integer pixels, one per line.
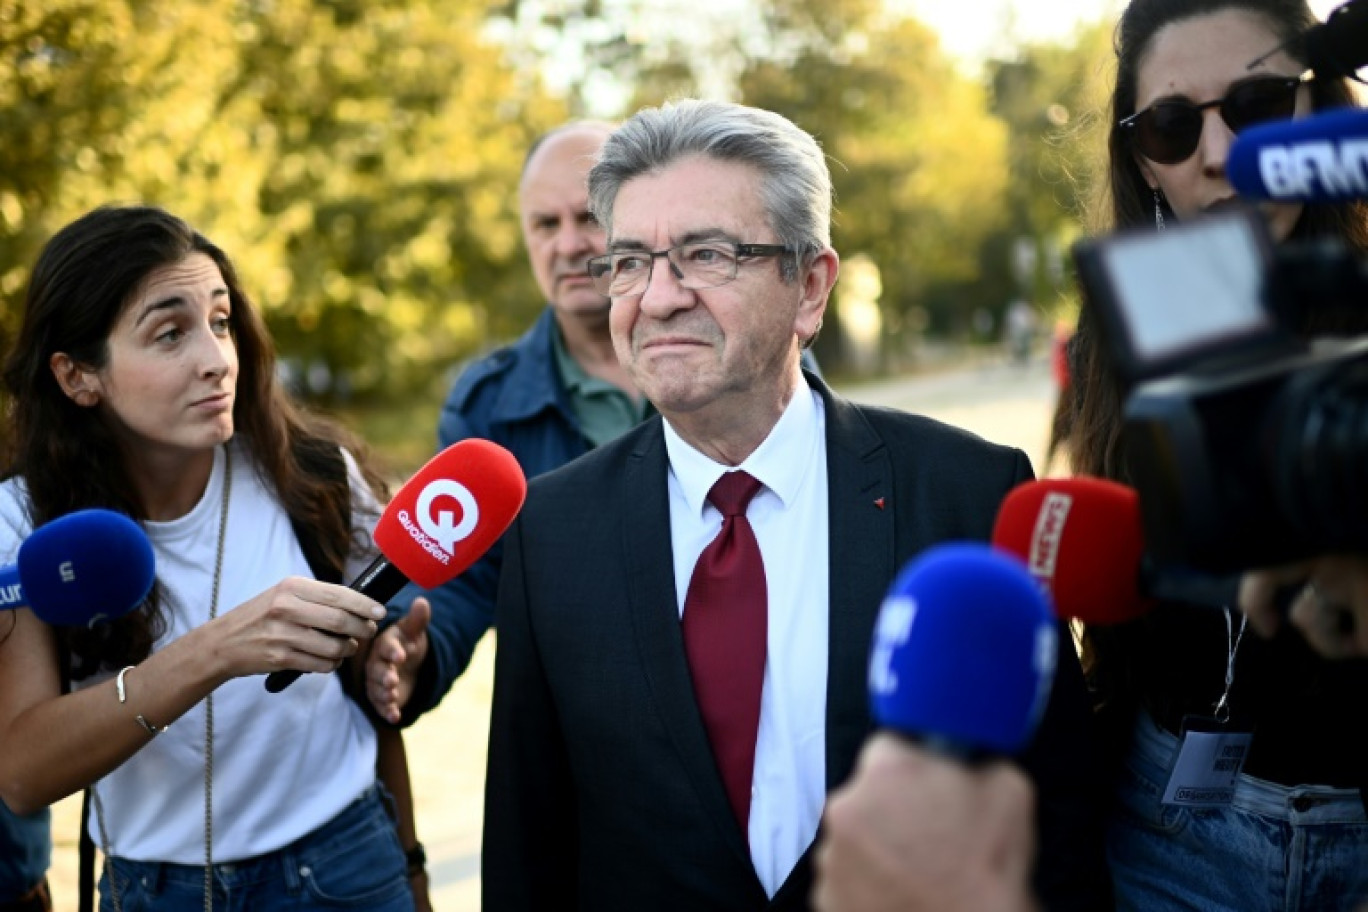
[{"x": 552, "y": 395}]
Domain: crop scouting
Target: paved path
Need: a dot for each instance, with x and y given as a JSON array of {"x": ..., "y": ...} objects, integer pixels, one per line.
[{"x": 1001, "y": 402}]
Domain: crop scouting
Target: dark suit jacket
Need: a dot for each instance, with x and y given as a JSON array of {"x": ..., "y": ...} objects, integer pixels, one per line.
[{"x": 601, "y": 790}]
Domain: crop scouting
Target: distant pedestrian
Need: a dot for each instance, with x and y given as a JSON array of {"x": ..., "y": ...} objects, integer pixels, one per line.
[{"x": 1019, "y": 329}]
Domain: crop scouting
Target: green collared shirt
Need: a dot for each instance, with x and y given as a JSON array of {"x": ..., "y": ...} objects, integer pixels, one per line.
[{"x": 605, "y": 411}]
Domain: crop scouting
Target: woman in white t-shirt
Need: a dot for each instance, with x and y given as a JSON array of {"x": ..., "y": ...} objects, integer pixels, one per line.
[{"x": 142, "y": 380}]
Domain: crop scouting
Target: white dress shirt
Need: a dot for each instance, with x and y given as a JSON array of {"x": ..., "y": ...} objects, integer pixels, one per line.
[{"x": 789, "y": 515}]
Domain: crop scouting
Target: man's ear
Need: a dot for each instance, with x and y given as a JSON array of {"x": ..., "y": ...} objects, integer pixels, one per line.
[
  {"x": 79, "y": 382},
  {"x": 817, "y": 281}
]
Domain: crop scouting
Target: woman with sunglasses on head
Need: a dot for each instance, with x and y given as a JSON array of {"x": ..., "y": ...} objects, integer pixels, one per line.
[
  {"x": 1292, "y": 833},
  {"x": 142, "y": 381}
]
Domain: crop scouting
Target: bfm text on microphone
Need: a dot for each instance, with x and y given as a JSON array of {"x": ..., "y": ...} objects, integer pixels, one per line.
[
  {"x": 1082, "y": 540},
  {"x": 1317, "y": 159},
  {"x": 439, "y": 523},
  {"x": 964, "y": 653},
  {"x": 79, "y": 569}
]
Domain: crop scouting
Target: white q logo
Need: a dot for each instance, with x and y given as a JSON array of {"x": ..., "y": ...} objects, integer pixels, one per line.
[{"x": 441, "y": 528}]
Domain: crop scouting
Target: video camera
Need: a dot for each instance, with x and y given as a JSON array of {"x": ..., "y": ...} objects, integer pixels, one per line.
[{"x": 1248, "y": 444}]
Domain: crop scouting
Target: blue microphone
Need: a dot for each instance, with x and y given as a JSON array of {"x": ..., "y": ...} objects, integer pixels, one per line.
[
  {"x": 1318, "y": 159},
  {"x": 79, "y": 569},
  {"x": 964, "y": 652}
]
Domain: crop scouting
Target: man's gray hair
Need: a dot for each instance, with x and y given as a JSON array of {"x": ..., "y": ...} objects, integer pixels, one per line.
[{"x": 795, "y": 188}]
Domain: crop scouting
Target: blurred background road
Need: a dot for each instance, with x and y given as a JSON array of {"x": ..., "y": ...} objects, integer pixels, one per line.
[{"x": 999, "y": 400}]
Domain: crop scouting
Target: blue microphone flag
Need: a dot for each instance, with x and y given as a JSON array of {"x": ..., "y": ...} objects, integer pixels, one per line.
[
  {"x": 964, "y": 651},
  {"x": 81, "y": 568},
  {"x": 1322, "y": 158}
]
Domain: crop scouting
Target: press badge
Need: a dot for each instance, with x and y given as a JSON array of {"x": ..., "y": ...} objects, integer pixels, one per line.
[{"x": 1210, "y": 758}]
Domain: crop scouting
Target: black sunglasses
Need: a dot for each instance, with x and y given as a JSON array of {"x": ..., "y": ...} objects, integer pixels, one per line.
[{"x": 1168, "y": 132}]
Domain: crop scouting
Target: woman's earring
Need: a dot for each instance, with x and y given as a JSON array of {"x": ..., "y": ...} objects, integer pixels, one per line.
[{"x": 1158, "y": 210}]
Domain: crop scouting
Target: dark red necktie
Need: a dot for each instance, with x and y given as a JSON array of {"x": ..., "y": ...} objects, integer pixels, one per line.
[{"x": 725, "y": 619}]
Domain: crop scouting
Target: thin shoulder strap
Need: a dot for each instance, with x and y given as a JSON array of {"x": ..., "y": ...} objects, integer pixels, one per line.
[
  {"x": 85, "y": 884},
  {"x": 335, "y": 467},
  {"x": 330, "y": 465}
]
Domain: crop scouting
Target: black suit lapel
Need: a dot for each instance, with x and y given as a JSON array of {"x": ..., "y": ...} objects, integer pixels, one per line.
[
  {"x": 861, "y": 523},
  {"x": 660, "y": 640}
]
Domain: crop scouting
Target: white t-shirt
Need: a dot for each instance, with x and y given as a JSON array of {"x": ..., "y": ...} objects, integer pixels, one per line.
[{"x": 284, "y": 763}]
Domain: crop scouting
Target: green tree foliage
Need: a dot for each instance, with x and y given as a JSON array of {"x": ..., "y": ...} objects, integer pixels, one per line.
[
  {"x": 1052, "y": 98},
  {"x": 359, "y": 160},
  {"x": 918, "y": 162}
]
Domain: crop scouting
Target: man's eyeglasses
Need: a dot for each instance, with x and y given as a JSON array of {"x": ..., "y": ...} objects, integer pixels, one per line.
[
  {"x": 705, "y": 264},
  {"x": 1168, "y": 132}
]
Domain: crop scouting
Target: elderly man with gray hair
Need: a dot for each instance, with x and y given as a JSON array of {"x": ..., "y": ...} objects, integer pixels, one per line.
[{"x": 685, "y": 613}]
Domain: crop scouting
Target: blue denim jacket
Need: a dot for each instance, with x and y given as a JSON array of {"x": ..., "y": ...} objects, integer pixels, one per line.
[
  {"x": 25, "y": 851},
  {"x": 512, "y": 396}
]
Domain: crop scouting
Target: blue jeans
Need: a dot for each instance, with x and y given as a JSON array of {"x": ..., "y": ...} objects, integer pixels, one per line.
[
  {"x": 353, "y": 861},
  {"x": 1274, "y": 848}
]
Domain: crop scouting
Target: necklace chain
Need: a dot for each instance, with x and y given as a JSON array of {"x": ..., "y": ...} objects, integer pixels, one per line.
[
  {"x": 208, "y": 723},
  {"x": 209, "y": 700}
]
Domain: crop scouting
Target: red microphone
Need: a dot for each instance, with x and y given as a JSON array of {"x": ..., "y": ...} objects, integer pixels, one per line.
[
  {"x": 1083, "y": 541},
  {"x": 1081, "y": 538},
  {"x": 439, "y": 523}
]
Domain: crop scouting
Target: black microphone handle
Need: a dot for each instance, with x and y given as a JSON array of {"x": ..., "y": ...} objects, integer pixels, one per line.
[
  {"x": 1205, "y": 590},
  {"x": 1332, "y": 49},
  {"x": 380, "y": 581},
  {"x": 1338, "y": 46},
  {"x": 1180, "y": 584}
]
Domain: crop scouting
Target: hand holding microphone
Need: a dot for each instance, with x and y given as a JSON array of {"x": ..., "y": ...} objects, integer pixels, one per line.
[
  {"x": 914, "y": 831},
  {"x": 1330, "y": 609},
  {"x": 300, "y": 623},
  {"x": 439, "y": 523}
]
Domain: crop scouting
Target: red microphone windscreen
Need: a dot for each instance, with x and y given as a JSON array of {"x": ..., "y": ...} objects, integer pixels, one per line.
[
  {"x": 451, "y": 511},
  {"x": 1082, "y": 539}
]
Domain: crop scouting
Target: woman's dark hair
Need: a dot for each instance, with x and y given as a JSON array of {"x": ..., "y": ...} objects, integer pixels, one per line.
[
  {"x": 1092, "y": 426},
  {"x": 69, "y": 457}
]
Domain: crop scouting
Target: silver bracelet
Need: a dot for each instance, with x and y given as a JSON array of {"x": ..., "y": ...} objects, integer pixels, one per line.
[
  {"x": 119, "y": 684},
  {"x": 149, "y": 727}
]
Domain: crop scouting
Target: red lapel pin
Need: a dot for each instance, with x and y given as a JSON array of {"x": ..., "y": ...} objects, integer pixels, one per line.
[{"x": 879, "y": 503}]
